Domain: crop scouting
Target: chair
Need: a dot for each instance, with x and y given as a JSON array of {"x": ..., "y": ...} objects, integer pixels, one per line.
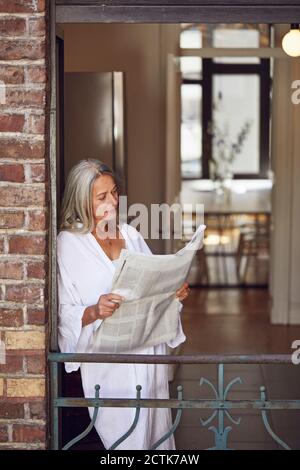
[{"x": 254, "y": 241}]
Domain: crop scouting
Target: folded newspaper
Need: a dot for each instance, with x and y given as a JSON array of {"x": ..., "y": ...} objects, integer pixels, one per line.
[{"x": 149, "y": 315}]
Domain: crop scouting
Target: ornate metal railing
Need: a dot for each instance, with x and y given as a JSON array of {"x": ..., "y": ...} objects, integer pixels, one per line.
[{"x": 219, "y": 405}]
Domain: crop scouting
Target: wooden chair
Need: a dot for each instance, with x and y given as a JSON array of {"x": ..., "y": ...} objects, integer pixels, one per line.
[{"x": 254, "y": 241}]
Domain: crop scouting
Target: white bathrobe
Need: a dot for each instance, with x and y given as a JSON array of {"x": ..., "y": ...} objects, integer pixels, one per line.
[{"x": 84, "y": 273}]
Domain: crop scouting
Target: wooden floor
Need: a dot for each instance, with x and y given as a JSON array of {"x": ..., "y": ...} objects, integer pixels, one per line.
[{"x": 236, "y": 321}]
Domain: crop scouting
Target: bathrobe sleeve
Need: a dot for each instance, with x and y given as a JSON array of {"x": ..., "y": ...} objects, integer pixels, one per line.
[
  {"x": 180, "y": 336},
  {"x": 72, "y": 336},
  {"x": 70, "y": 312}
]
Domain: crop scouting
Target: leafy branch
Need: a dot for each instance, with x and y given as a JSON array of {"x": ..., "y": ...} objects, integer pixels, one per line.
[{"x": 227, "y": 151}]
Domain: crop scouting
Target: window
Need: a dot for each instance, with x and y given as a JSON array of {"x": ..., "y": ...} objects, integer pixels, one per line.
[{"x": 230, "y": 95}]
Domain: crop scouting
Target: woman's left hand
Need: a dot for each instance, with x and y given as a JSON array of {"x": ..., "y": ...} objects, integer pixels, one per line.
[{"x": 183, "y": 292}]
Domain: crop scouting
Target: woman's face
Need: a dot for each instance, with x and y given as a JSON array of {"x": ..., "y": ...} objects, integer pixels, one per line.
[{"x": 105, "y": 199}]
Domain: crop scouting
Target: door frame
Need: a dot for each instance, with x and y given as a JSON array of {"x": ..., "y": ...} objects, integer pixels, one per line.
[
  {"x": 129, "y": 11},
  {"x": 177, "y": 11}
]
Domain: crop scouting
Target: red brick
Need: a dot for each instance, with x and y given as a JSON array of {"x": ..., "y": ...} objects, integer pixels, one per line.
[
  {"x": 11, "y": 317},
  {"x": 37, "y": 26},
  {"x": 11, "y": 122},
  {"x": 16, "y": 49},
  {"x": 22, "y": 196},
  {"x": 10, "y": 148},
  {"x": 12, "y": 219},
  {"x": 21, "y": 97},
  {"x": 36, "y": 364},
  {"x": 36, "y": 316},
  {"x": 29, "y": 433},
  {"x": 11, "y": 410},
  {"x": 11, "y": 270},
  {"x": 37, "y": 410},
  {"x": 29, "y": 293},
  {"x": 36, "y": 74},
  {"x": 36, "y": 124},
  {"x": 29, "y": 245},
  {"x": 12, "y": 26},
  {"x": 3, "y": 433},
  {"x": 37, "y": 173},
  {"x": 22, "y": 6},
  {"x": 37, "y": 220},
  {"x": 12, "y": 172},
  {"x": 13, "y": 75},
  {"x": 13, "y": 364},
  {"x": 36, "y": 270}
]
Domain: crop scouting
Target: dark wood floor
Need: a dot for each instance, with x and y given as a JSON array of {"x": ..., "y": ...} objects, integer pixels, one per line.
[{"x": 232, "y": 320}]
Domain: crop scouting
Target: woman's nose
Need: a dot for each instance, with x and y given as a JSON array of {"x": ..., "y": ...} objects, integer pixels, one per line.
[{"x": 113, "y": 199}]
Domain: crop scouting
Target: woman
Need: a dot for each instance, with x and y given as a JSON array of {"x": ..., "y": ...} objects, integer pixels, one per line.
[{"x": 87, "y": 254}]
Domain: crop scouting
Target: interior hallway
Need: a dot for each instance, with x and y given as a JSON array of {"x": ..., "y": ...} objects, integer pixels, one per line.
[{"x": 223, "y": 321}]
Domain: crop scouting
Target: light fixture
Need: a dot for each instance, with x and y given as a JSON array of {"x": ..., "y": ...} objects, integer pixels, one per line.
[{"x": 291, "y": 41}]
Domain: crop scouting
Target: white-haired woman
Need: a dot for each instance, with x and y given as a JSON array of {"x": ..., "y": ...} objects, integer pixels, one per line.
[{"x": 86, "y": 264}]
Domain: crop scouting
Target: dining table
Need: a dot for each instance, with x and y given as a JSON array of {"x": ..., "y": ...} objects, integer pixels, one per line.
[{"x": 203, "y": 201}]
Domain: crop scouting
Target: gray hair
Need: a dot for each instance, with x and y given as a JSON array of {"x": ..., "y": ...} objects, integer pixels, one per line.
[{"x": 76, "y": 213}]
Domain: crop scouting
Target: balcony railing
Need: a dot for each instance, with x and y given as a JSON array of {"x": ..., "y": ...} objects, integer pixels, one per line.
[{"x": 218, "y": 404}]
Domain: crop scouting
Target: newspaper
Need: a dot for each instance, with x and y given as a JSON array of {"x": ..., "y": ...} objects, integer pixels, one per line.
[{"x": 149, "y": 314}]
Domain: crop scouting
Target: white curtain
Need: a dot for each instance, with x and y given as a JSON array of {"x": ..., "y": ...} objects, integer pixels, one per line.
[{"x": 285, "y": 158}]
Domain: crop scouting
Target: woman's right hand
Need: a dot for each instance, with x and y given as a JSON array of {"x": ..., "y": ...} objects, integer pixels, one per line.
[
  {"x": 107, "y": 304},
  {"x": 104, "y": 308}
]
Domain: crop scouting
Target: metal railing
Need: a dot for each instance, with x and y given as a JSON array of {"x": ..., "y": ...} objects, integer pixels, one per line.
[{"x": 219, "y": 405}]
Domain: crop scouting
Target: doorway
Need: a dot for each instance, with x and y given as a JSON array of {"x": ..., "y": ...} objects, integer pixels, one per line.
[{"x": 153, "y": 162}]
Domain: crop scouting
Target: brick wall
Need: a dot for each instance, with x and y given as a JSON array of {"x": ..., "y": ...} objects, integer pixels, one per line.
[{"x": 22, "y": 223}]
